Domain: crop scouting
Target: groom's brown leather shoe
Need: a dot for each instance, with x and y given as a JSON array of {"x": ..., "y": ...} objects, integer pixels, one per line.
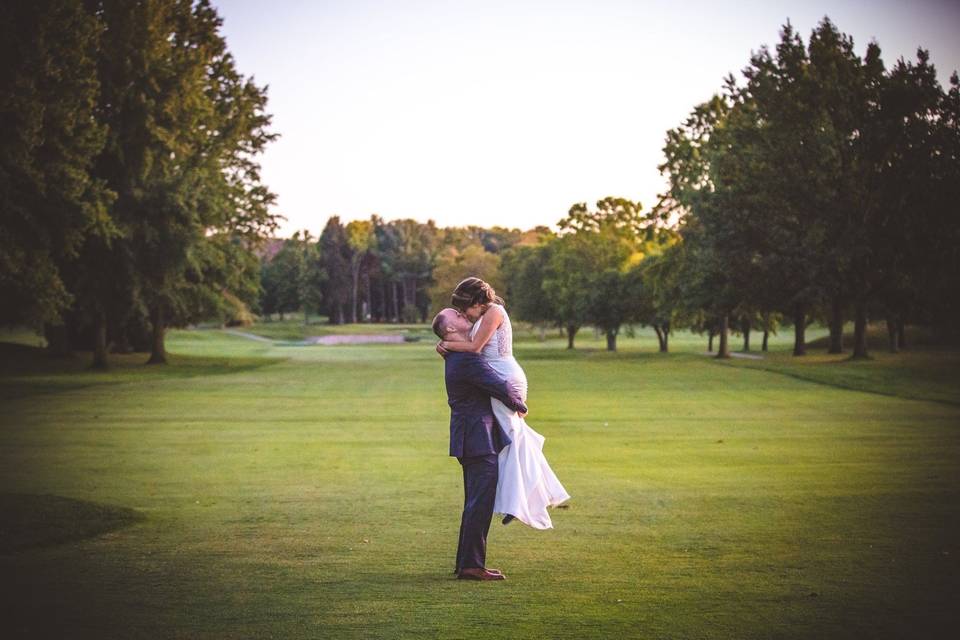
[
  {"x": 479, "y": 574},
  {"x": 456, "y": 572}
]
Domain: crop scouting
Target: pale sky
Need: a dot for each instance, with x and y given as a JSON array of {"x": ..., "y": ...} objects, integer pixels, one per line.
[{"x": 506, "y": 113}]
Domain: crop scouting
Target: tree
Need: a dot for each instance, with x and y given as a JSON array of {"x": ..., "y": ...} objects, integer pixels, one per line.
[
  {"x": 284, "y": 274},
  {"x": 49, "y": 204},
  {"x": 454, "y": 265},
  {"x": 609, "y": 303},
  {"x": 312, "y": 279},
  {"x": 361, "y": 241},
  {"x": 524, "y": 269},
  {"x": 567, "y": 284},
  {"x": 335, "y": 256},
  {"x": 900, "y": 224},
  {"x": 414, "y": 249},
  {"x": 657, "y": 289},
  {"x": 184, "y": 130}
]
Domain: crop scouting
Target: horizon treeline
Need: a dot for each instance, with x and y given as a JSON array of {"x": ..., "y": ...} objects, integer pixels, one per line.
[
  {"x": 821, "y": 187},
  {"x": 130, "y": 192},
  {"x": 825, "y": 188}
]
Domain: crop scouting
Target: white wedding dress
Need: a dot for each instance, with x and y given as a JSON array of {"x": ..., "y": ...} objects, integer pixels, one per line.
[{"x": 526, "y": 485}]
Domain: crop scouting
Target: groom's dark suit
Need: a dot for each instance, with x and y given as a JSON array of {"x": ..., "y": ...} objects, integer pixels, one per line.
[{"x": 475, "y": 440}]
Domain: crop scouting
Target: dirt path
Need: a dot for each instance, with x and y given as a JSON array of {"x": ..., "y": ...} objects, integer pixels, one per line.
[
  {"x": 736, "y": 354},
  {"x": 249, "y": 336},
  {"x": 326, "y": 340}
]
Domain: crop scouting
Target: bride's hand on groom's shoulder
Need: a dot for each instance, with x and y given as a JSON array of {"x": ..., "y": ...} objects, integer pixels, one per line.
[{"x": 443, "y": 352}]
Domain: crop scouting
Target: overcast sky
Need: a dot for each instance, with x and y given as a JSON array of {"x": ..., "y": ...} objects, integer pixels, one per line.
[{"x": 506, "y": 113}]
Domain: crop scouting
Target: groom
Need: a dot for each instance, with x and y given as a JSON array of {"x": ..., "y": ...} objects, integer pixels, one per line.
[{"x": 475, "y": 439}]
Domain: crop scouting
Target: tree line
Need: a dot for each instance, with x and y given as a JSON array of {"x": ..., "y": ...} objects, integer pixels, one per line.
[
  {"x": 823, "y": 188},
  {"x": 129, "y": 185},
  {"x": 379, "y": 271}
]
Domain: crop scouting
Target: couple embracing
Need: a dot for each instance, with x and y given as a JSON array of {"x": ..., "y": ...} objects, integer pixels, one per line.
[{"x": 504, "y": 469}]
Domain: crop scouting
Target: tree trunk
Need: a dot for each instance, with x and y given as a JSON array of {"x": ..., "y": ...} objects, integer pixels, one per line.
[
  {"x": 58, "y": 340},
  {"x": 860, "y": 331},
  {"x": 368, "y": 310},
  {"x": 901, "y": 333},
  {"x": 611, "y": 340},
  {"x": 766, "y": 337},
  {"x": 799, "y": 330},
  {"x": 100, "y": 341},
  {"x": 656, "y": 329},
  {"x": 381, "y": 312},
  {"x": 710, "y": 341},
  {"x": 543, "y": 332},
  {"x": 746, "y": 334},
  {"x": 836, "y": 326},
  {"x": 158, "y": 352},
  {"x": 666, "y": 338},
  {"x": 571, "y": 333},
  {"x": 354, "y": 290},
  {"x": 892, "y": 335},
  {"x": 410, "y": 291},
  {"x": 396, "y": 303},
  {"x": 723, "y": 351},
  {"x": 121, "y": 344}
]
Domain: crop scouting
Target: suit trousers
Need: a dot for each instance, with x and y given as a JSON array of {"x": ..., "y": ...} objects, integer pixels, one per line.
[{"x": 479, "y": 493}]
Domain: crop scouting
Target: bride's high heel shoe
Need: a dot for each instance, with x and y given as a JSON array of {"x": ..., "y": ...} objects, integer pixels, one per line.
[{"x": 507, "y": 519}]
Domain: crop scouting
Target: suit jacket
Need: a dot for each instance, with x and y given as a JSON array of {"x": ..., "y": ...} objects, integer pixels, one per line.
[{"x": 474, "y": 431}]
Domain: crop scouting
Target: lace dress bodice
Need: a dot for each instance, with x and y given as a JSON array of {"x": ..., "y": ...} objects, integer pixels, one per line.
[
  {"x": 500, "y": 344},
  {"x": 498, "y": 352}
]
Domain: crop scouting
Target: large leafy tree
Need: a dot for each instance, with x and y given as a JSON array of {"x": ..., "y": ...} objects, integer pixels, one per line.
[
  {"x": 283, "y": 276},
  {"x": 905, "y": 231},
  {"x": 524, "y": 269},
  {"x": 335, "y": 257},
  {"x": 362, "y": 242},
  {"x": 454, "y": 265},
  {"x": 49, "y": 205},
  {"x": 584, "y": 277},
  {"x": 184, "y": 130}
]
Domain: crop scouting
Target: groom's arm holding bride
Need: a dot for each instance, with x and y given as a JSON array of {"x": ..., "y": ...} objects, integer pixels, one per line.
[
  {"x": 481, "y": 375},
  {"x": 469, "y": 367}
]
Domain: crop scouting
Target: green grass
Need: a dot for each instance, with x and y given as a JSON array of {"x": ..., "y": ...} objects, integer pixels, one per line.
[
  {"x": 293, "y": 328},
  {"x": 305, "y": 492},
  {"x": 922, "y": 372},
  {"x": 38, "y": 521}
]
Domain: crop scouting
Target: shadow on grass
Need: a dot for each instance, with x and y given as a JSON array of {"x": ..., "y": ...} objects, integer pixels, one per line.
[
  {"x": 26, "y": 370},
  {"x": 528, "y": 351},
  {"x": 32, "y": 521},
  {"x": 930, "y": 375}
]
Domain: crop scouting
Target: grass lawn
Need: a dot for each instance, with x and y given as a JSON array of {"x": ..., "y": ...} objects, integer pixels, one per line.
[{"x": 254, "y": 490}]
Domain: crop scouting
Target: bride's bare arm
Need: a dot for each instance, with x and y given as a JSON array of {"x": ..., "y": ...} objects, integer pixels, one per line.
[{"x": 489, "y": 322}]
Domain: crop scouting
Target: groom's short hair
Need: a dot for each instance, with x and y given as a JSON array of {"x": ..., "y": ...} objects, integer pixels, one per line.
[{"x": 440, "y": 324}]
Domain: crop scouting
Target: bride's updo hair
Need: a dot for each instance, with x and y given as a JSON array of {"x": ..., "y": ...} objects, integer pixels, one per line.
[{"x": 473, "y": 291}]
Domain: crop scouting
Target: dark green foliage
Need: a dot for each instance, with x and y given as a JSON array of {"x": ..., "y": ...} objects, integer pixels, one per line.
[
  {"x": 819, "y": 188},
  {"x": 292, "y": 279},
  {"x": 335, "y": 256},
  {"x": 524, "y": 269},
  {"x": 48, "y": 140},
  {"x": 129, "y": 187}
]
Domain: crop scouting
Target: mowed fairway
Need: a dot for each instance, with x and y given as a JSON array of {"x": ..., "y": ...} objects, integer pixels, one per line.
[{"x": 306, "y": 492}]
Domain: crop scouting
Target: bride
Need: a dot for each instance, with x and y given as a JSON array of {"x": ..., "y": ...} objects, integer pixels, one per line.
[{"x": 526, "y": 485}]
